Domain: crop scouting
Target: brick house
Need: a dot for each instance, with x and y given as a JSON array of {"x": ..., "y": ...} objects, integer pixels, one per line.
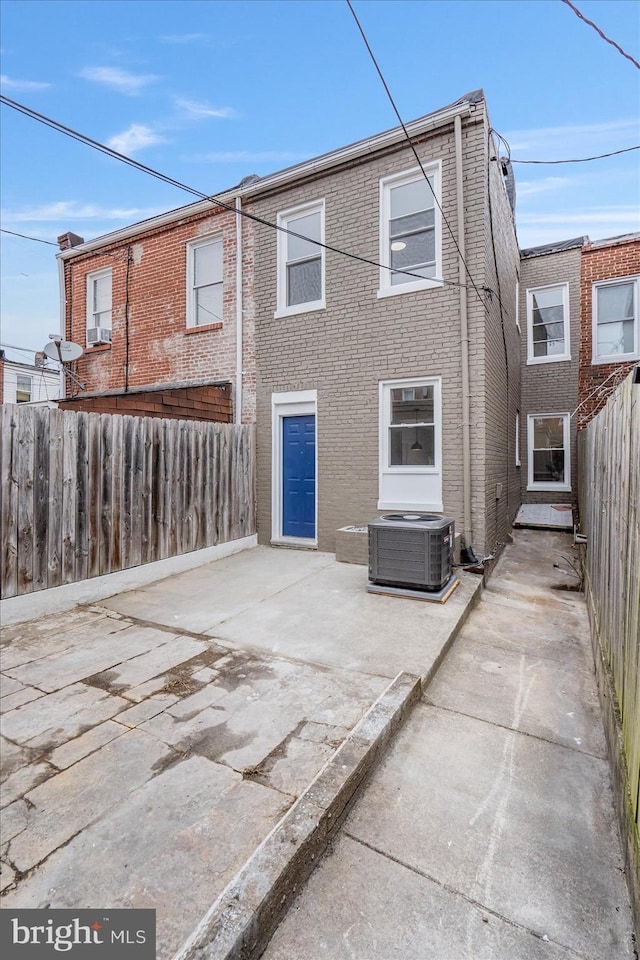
[
  {"x": 549, "y": 316},
  {"x": 610, "y": 305},
  {"x": 378, "y": 390},
  {"x": 164, "y": 310}
]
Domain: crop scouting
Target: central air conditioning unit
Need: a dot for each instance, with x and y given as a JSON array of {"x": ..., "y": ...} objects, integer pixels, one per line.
[
  {"x": 411, "y": 550},
  {"x": 96, "y": 335}
]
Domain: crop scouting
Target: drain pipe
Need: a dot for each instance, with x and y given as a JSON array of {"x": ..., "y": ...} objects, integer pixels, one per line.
[
  {"x": 238, "y": 404},
  {"x": 464, "y": 344}
]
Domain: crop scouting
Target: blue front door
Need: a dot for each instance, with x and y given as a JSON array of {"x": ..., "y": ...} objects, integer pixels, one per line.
[{"x": 299, "y": 476}]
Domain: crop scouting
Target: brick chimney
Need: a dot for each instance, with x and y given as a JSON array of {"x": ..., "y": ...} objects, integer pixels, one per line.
[{"x": 68, "y": 240}]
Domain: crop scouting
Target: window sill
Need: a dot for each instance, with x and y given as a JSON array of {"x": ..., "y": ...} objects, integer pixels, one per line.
[
  {"x": 96, "y": 348},
  {"x": 550, "y": 487},
  {"x": 410, "y": 507},
  {"x": 616, "y": 358},
  {"x": 300, "y": 308},
  {"x": 534, "y": 361},
  {"x": 409, "y": 288},
  {"x": 205, "y": 328}
]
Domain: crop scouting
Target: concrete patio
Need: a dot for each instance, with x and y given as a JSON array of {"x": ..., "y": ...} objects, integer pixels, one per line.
[{"x": 152, "y": 741}]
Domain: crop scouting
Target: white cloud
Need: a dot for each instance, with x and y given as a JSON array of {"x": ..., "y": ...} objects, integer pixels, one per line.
[
  {"x": 578, "y": 139},
  {"x": 120, "y": 80},
  {"x": 596, "y": 223},
  {"x": 201, "y": 111},
  {"x": 65, "y": 210},
  {"x": 135, "y": 138},
  {"x": 10, "y": 84},
  {"x": 246, "y": 156},
  {"x": 527, "y": 188}
]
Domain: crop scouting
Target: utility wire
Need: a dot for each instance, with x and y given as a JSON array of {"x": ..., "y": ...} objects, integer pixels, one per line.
[
  {"x": 25, "y": 237},
  {"x": 600, "y": 33},
  {"x": 108, "y": 151},
  {"x": 600, "y": 156},
  {"x": 411, "y": 144}
]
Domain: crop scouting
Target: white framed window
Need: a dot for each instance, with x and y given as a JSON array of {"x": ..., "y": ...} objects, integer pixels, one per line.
[
  {"x": 518, "y": 462},
  {"x": 410, "y": 444},
  {"x": 518, "y": 306},
  {"x": 616, "y": 328},
  {"x": 24, "y": 386},
  {"x": 301, "y": 269},
  {"x": 204, "y": 282},
  {"x": 548, "y": 324},
  {"x": 410, "y": 231},
  {"x": 98, "y": 301},
  {"x": 549, "y": 452}
]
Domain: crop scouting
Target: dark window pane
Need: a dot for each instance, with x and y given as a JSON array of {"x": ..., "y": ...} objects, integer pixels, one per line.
[
  {"x": 419, "y": 248},
  {"x": 415, "y": 221},
  {"x": 304, "y": 282},
  {"x": 411, "y": 446},
  {"x": 548, "y": 466},
  {"x": 417, "y": 409}
]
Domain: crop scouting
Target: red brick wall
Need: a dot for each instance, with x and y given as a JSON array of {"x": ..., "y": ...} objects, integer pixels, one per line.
[
  {"x": 211, "y": 403},
  {"x": 162, "y": 349},
  {"x": 619, "y": 258}
]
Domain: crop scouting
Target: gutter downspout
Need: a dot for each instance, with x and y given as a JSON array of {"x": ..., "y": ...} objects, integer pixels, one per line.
[
  {"x": 464, "y": 342},
  {"x": 63, "y": 322},
  {"x": 238, "y": 404}
]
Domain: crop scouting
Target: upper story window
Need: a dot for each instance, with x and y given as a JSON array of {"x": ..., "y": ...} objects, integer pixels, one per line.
[
  {"x": 204, "y": 282},
  {"x": 99, "y": 307},
  {"x": 23, "y": 388},
  {"x": 300, "y": 260},
  {"x": 616, "y": 334},
  {"x": 548, "y": 324},
  {"x": 410, "y": 231}
]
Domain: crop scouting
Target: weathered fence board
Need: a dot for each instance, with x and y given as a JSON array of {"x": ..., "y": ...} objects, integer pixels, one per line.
[
  {"x": 84, "y": 494},
  {"x": 609, "y": 497}
]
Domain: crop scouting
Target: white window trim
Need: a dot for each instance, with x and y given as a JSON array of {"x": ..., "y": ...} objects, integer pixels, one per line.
[
  {"x": 556, "y": 358},
  {"x": 566, "y": 440},
  {"x": 518, "y": 307},
  {"x": 291, "y": 404},
  {"x": 517, "y": 438},
  {"x": 94, "y": 275},
  {"x": 284, "y": 216},
  {"x": 386, "y": 288},
  {"x": 615, "y": 357},
  {"x": 192, "y": 245},
  {"x": 384, "y": 400}
]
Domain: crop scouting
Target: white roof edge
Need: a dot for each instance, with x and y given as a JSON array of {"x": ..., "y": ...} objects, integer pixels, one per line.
[{"x": 279, "y": 179}]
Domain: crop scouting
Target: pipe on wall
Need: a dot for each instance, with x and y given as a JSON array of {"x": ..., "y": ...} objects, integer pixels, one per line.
[
  {"x": 464, "y": 342},
  {"x": 237, "y": 407}
]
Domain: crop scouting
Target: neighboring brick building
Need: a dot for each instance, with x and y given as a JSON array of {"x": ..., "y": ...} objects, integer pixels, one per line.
[
  {"x": 549, "y": 317},
  {"x": 156, "y": 306},
  {"x": 362, "y": 371},
  {"x": 610, "y": 296}
]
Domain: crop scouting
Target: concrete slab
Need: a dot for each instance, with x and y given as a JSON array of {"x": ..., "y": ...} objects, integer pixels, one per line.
[
  {"x": 330, "y": 619},
  {"x": 426, "y": 921},
  {"x": 492, "y": 814},
  {"x": 545, "y": 515},
  {"x": 176, "y": 860},
  {"x": 200, "y": 599}
]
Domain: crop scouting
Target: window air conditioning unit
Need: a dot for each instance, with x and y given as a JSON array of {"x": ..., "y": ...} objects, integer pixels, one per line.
[
  {"x": 411, "y": 550},
  {"x": 97, "y": 335}
]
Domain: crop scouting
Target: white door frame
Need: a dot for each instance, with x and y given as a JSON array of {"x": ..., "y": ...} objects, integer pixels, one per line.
[{"x": 291, "y": 404}]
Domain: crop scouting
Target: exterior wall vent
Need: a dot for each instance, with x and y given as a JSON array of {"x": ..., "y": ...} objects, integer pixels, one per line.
[{"x": 413, "y": 550}]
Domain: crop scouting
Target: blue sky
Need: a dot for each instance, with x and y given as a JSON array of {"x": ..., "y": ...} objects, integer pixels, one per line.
[{"x": 209, "y": 92}]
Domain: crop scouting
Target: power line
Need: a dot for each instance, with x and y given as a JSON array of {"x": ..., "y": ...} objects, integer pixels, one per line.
[
  {"x": 411, "y": 144},
  {"x": 601, "y": 34},
  {"x": 601, "y": 156},
  {"x": 25, "y": 237},
  {"x": 143, "y": 168}
]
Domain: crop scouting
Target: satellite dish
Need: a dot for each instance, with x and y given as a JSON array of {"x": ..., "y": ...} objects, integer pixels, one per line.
[{"x": 63, "y": 350}]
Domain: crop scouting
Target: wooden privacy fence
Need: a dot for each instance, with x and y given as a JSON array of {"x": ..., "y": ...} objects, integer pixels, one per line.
[
  {"x": 85, "y": 494},
  {"x": 609, "y": 498}
]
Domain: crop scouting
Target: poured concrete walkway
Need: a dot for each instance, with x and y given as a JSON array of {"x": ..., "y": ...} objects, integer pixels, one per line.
[{"x": 488, "y": 832}]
